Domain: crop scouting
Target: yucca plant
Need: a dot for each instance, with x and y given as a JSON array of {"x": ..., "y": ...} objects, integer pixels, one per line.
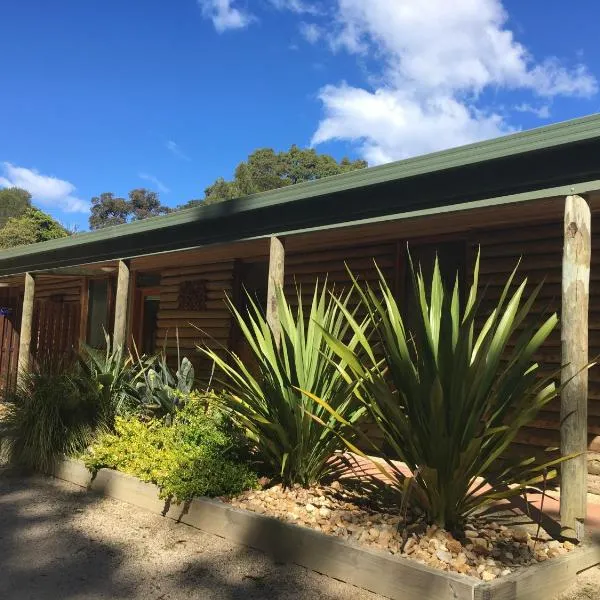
[
  {"x": 449, "y": 397},
  {"x": 269, "y": 405}
]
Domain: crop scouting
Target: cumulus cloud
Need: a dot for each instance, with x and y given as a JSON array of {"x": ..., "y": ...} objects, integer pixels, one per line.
[
  {"x": 155, "y": 181},
  {"x": 175, "y": 149},
  {"x": 438, "y": 58},
  {"x": 46, "y": 190},
  {"x": 224, "y": 15}
]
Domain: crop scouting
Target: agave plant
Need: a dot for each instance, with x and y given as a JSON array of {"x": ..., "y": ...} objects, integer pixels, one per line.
[
  {"x": 449, "y": 397},
  {"x": 159, "y": 390},
  {"x": 269, "y": 405},
  {"x": 114, "y": 373}
]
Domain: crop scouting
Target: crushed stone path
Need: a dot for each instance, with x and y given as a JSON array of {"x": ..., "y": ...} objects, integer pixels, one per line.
[{"x": 58, "y": 542}]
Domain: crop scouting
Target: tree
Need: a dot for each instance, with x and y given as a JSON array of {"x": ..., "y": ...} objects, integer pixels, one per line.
[
  {"x": 30, "y": 227},
  {"x": 144, "y": 203},
  {"x": 13, "y": 203},
  {"x": 266, "y": 170},
  {"x": 108, "y": 210}
]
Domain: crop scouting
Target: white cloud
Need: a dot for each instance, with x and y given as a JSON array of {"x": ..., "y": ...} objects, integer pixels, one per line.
[
  {"x": 225, "y": 15},
  {"x": 297, "y": 6},
  {"x": 311, "y": 32},
  {"x": 46, "y": 190},
  {"x": 176, "y": 150},
  {"x": 392, "y": 124},
  {"x": 438, "y": 58},
  {"x": 158, "y": 184},
  {"x": 543, "y": 111}
]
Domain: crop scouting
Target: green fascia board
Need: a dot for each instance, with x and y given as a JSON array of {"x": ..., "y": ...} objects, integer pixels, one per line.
[{"x": 302, "y": 206}]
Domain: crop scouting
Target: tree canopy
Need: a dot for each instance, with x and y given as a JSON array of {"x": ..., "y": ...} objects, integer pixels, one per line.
[
  {"x": 30, "y": 227},
  {"x": 13, "y": 203},
  {"x": 109, "y": 210},
  {"x": 266, "y": 170}
]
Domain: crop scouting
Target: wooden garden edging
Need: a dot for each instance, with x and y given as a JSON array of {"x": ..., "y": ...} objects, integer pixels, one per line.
[{"x": 392, "y": 576}]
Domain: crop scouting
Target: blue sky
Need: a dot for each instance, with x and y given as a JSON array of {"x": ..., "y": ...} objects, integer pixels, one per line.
[{"x": 108, "y": 95}]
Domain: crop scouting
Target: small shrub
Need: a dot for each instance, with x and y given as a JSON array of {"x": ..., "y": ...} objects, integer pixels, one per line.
[
  {"x": 52, "y": 413},
  {"x": 194, "y": 455}
]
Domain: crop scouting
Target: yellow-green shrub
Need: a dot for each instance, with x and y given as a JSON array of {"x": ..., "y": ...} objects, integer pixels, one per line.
[{"x": 195, "y": 455}]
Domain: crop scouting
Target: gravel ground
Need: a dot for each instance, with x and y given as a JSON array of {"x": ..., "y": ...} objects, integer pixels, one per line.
[{"x": 58, "y": 542}]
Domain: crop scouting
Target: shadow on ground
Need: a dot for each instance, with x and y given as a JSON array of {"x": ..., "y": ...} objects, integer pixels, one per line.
[{"x": 58, "y": 542}]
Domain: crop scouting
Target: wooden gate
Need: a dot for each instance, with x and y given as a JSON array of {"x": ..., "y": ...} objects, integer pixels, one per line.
[
  {"x": 55, "y": 330},
  {"x": 10, "y": 319}
]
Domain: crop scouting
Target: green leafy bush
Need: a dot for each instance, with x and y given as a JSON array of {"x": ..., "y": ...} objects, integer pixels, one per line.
[
  {"x": 458, "y": 394},
  {"x": 294, "y": 436},
  {"x": 195, "y": 455},
  {"x": 52, "y": 413}
]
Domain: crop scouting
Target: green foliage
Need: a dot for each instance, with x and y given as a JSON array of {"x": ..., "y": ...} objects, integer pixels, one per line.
[
  {"x": 108, "y": 210},
  {"x": 191, "y": 456},
  {"x": 266, "y": 169},
  {"x": 52, "y": 413},
  {"x": 30, "y": 227},
  {"x": 13, "y": 203},
  {"x": 160, "y": 391},
  {"x": 269, "y": 406},
  {"x": 113, "y": 373},
  {"x": 459, "y": 392}
]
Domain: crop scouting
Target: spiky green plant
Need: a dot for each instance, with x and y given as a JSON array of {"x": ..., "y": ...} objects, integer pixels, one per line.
[
  {"x": 114, "y": 373},
  {"x": 449, "y": 397},
  {"x": 52, "y": 413},
  {"x": 269, "y": 405}
]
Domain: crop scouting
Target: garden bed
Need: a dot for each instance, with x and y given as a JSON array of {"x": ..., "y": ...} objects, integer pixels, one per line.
[{"x": 365, "y": 566}]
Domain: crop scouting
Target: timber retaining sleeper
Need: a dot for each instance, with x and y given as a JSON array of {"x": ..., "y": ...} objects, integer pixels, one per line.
[{"x": 393, "y": 576}]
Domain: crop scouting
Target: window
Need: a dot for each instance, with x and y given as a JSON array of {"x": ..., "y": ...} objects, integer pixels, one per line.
[{"x": 98, "y": 312}]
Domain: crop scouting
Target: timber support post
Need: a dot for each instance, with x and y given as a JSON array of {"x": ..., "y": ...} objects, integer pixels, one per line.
[
  {"x": 574, "y": 345},
  {"x": 26, "y": 326},
  {"x": 121, "y": 305},
  {"x": 276, "y": 278}
]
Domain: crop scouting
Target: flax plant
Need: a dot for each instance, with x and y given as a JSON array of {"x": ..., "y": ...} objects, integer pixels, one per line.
[
  {"x": 265, "y": 399},
  {"x": 451, "y": 394}
]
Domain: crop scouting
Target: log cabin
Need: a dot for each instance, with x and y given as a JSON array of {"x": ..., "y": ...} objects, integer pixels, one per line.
[{"x": 161, "y": 282}]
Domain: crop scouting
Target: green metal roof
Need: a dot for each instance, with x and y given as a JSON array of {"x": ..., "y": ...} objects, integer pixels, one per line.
[{"x": 556, "y": 155}]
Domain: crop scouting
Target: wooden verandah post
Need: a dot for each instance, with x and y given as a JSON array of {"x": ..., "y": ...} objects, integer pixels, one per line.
[
  {"x": 276, "y": 279},
  {"x": 121, "y": 305},
  {"x": 574, "y": 344},
  {"x": 26, "y": 325}
]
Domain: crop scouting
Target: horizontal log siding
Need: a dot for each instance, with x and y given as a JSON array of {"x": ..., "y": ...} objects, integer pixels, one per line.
[
  {"x": 540, "y": 250},
  {"x": 302, "y": 270},
  {"x": 211, "y": 326},
  {"x": 68, "y": 288}
]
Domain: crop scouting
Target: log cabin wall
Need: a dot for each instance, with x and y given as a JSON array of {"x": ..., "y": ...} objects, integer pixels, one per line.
[{"x": 209, "y": 322}]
